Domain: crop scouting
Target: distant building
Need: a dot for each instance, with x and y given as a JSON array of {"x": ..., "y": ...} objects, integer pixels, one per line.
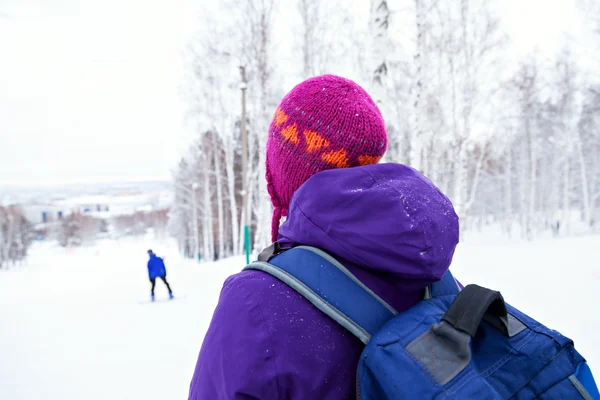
[
  {"x": 41, "y": 213},
  {"x": 97, "y": 206}
]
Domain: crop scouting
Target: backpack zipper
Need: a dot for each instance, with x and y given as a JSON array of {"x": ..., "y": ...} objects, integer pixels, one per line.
[{"x": 358, "y": 395}]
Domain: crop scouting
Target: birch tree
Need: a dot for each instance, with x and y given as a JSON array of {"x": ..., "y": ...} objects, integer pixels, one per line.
[
  {"x": 181, "y": 215},
  {"x": 380, "y": 21},
  {"x": 257, "y": 47},
  {"x": 589, "y": 133},
  {"x": 15, "y": 236},
  {"x": 569, "y": 87},
  {"x": 473, "y": 75},
  {"x": 510, "y": 140},
  {"x": 526, "y": 85},
  {"x": 310, "y": 16}
]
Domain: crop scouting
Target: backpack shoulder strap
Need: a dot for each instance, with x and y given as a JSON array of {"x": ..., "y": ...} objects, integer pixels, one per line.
[
  {"x": 445, "y": 287},
  {"x": 330, "y": 287}
]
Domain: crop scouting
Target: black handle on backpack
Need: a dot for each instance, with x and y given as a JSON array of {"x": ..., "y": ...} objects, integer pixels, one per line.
[{"x": 471, "y": 305}]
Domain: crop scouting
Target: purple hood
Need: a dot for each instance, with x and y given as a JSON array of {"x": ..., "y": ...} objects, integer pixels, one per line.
[
  {"x": 388, "y": 224},
  {"x": 385, "y": 219}
]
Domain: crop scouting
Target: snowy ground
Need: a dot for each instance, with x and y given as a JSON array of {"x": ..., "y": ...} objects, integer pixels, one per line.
[{"x": 71, "y": 326}]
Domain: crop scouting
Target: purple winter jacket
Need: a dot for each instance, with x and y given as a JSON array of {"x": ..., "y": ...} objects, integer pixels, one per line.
[{"x": 387, "y": 224}]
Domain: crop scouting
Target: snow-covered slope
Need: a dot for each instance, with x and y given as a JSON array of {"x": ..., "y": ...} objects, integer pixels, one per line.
[{"x": 72, "y": 326}]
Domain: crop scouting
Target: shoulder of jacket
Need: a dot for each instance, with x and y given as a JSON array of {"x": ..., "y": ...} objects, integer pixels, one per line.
[{"x": 251, "y": 281}]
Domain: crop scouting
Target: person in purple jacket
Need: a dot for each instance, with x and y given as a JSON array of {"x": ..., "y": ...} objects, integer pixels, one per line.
[{"x": 387, "y": 223}]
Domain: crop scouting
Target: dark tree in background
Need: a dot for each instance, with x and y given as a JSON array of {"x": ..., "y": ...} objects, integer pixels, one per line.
[{"x": 15, "y": 236}]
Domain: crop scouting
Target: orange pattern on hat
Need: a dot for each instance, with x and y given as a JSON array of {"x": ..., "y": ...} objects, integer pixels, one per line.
[
  {"x": 280, "y": 117},
  {"x": 290, "y": 133},
  {"x": 368, "y": 160},
  {"x": 337, "y": 158},
  {"x": 314, "y": 141}
]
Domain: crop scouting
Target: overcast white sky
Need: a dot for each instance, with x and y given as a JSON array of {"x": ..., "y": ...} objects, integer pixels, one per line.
[{"x": 90, "y": 89}]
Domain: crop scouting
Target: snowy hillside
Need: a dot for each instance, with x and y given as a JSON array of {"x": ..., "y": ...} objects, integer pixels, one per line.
[{"x": 72, "y": 326}]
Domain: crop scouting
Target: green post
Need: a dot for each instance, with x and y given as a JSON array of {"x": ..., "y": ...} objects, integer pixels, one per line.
[{"x": 247, "y": 242}]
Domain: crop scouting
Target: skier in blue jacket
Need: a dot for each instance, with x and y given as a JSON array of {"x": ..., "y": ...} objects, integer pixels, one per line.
[{"x": 156, "y": 269}]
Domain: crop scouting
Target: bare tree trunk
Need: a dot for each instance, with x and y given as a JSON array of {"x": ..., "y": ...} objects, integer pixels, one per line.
[
  {"x": 443, "y": 175},
  {"x": 219, "y": 184},
  {"x": 417, "y": 131},
  {"x": 585, "y": 194},
  {"x": 566, "y": 218},
  {"x": 240, "y": 241},
  {"x": 233, "y": 209},
  {"x": 309, "y": 16},
  {"x": 253, "y": 187},
  {"x": 554, "y": 196},
  {"x": 459, "y": 142},
  {"x": 508, "y": 182},
  {"x": 524, "y": 167},
  {"x": 476, "y": 177},
  {"x": 380, "y": 17},
  {"x": 595, "y": 188},
  {"x": 532, "y": 179},
  {"x": 207, "y": 220},
  {"x": 458, "y": 161},
  {"x": 263, "y": 17},
  {"x": 460, "y": 182}
]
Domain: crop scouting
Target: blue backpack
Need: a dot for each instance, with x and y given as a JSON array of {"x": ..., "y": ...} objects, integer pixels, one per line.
[{"x": 454, "y": 344}]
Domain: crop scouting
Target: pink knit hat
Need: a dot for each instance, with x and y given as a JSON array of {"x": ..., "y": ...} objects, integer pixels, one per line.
[{"x": 324, "y": 122}]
